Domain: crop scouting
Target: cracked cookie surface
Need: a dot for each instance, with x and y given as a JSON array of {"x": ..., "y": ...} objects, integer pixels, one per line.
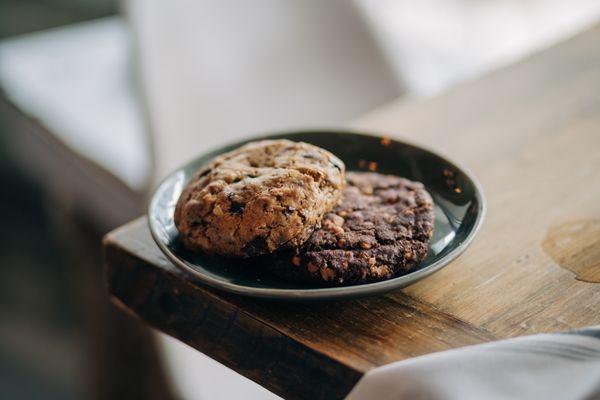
[
  {"x": 380, "y": 230},
  {"x": 259, "y": 197}
]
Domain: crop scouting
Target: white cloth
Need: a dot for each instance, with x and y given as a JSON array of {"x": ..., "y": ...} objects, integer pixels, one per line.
[{"x": 545, "y": 366}]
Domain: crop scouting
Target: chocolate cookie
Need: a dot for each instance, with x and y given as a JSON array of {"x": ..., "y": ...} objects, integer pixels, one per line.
[
  {"x": 380, "y": 230},
  {"x": 259, "y": 197}
]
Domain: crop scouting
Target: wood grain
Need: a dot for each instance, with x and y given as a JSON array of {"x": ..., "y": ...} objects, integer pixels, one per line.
[
  {"x": 531, "y": 133},
  {"x": 291, "y": 349}
]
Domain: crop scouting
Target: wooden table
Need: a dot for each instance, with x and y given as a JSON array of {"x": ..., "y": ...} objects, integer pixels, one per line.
[{"x": 531, "y": 133}]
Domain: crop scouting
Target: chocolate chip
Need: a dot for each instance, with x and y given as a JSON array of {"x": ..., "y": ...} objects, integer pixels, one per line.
[
  {"x": 202, "y": 173},
  {"x": 339, "y": 168},
  {"x": 197, "y": 224},
  {"x": 256, "y": 246},
  {"x": 236, "y": 208}
]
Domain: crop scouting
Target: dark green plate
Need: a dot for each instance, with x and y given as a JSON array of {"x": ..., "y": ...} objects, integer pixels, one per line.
[{"x": 459, "y": 211}]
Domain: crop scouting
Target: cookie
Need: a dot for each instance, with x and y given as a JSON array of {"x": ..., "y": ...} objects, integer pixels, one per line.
[
  {"x": 259, "y": 197},
  {"x": 380, "y": 230}
]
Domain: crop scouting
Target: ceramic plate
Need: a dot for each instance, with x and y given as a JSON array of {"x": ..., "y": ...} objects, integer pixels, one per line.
[{"x": 459, "y": 211}]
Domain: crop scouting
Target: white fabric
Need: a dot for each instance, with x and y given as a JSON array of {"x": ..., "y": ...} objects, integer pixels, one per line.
[{"x": 546, "y": 366}]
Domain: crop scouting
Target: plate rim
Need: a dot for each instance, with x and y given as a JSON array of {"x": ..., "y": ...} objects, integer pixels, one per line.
[{"x": 326, "y": 293}]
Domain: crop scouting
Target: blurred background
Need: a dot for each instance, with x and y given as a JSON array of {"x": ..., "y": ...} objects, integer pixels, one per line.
[{"x": 101, "y": 98}]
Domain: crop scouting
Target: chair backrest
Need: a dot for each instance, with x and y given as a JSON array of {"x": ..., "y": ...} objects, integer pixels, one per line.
[{"x": 213, "y": 71}]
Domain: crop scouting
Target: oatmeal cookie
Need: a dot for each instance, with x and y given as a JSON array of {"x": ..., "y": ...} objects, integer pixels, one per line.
[{"x": 259, "y": 197}]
